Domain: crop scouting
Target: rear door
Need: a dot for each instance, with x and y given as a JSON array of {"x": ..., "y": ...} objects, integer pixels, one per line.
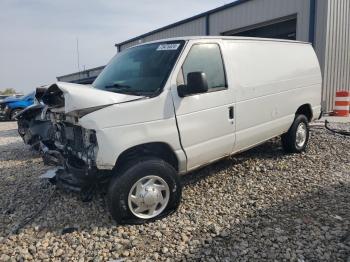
[{"x": 205, "y": 121}]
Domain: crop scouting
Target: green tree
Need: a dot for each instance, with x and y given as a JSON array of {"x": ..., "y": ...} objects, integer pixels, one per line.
[{"x": 8, "y": 91}]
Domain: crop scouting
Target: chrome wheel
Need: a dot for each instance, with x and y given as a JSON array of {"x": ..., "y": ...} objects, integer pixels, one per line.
[
  {"x": 301, "y": 135},
  {"x": 148, "y": 197}
]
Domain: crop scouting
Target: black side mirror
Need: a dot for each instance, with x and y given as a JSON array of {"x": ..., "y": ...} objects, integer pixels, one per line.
[{"x": 196, "y": 84}]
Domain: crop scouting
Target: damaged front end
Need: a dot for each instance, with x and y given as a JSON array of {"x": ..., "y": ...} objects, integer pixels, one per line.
[
  {"x": 76, "y": 146},
  {"x": 34, "y": 126}
]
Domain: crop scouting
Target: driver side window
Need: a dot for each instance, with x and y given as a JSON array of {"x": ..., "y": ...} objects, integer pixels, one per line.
[{"x": 206, "y": 58}]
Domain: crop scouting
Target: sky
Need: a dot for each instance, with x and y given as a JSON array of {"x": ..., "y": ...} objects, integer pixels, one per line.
[{"x": 38, "y": 38}]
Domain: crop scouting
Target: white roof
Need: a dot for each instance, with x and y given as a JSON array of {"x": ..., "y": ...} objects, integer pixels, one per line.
[{"x": 187, "y": 38}]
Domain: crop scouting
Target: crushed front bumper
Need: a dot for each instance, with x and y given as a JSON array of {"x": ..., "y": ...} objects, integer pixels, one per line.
[{"x": 75, "y": 176}]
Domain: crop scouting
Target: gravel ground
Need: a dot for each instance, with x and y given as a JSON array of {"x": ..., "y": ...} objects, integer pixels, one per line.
[{"x": 259, "y": 205}]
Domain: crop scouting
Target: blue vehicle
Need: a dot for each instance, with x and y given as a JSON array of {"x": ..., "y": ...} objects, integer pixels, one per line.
[{"x": 11, "y": 106}]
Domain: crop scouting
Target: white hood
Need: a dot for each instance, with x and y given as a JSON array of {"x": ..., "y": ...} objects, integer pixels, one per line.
[{"x": 77, "y": 97}]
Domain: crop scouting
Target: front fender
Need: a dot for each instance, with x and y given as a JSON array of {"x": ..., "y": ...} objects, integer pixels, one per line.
[
  {"x": 113, "y": 141},
  {"x": 30, "y": 111}
]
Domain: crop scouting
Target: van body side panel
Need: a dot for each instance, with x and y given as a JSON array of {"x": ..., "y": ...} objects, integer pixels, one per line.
[
  {"x": 122, "y": 126},
  {"x": 267, "y": 82},
  {"x": 273, "y": 79}
]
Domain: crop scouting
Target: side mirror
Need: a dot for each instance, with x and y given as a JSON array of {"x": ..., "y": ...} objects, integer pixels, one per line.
[{"x": 196, "y": 84}]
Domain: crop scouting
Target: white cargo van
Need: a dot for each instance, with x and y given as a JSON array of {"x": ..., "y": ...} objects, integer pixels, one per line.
[{"x": 161, "y": 109}]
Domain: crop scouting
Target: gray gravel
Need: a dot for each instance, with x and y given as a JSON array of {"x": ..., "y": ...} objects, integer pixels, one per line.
[{"x": 259, "y": 205}]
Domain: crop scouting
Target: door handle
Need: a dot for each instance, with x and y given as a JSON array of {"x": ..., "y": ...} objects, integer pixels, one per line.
[{"x": 231, "y": 112}]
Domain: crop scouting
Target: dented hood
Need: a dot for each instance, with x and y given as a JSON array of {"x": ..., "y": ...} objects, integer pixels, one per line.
[{"x": 68, "y": 97}]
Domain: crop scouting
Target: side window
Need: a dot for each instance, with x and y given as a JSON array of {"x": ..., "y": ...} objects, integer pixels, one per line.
[{"x": 206, "y": 58}]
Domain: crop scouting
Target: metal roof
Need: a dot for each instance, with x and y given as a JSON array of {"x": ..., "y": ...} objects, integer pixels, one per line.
[
  {"x": 237, "y": 2},
  {"x": 82, "y": 72}
]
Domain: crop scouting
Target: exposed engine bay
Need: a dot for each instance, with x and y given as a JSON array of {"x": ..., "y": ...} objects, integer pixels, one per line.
[
  {"x": 54, "y": 127},
  {"x": 74, "y": 140},
  {"x": 77, "y": 149},
  {"x": 61, "y": 141}
]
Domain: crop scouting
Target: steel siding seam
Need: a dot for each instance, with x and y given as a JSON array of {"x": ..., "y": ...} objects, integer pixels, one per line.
[
  {"x": 343, "y": 44},
  {"x": 332, "y": 54},
  {"x": 326, "y": 85},
  {"x": 347, "y": 45},
  {"x": 312, "y": 21},
  {"x": 207, "y": 24},
  {"x": 346, "y": 21},
  {"x": 338, "y": 62}
]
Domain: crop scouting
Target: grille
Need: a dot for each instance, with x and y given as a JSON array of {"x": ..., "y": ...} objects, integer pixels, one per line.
[
  {"x": 72, "y": 137},
  {"x": 78, "y": 142}
]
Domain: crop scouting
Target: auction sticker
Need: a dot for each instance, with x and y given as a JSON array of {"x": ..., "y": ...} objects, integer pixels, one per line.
[{"x": 166, "y": 47}]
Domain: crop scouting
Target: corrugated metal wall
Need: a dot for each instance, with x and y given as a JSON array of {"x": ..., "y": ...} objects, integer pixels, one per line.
[
  {"x": 195, "y": 27},
  {"x": 255, "y": 12},
  {"x": 243, "y": 15},
  {"x": 320, "y": 31},
  {"x": 337, "y": 51},
  {"x": 89, "y": 73}
]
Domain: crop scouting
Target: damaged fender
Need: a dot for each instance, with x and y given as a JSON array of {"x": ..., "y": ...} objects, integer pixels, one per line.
[{"x": 70, "y": 98}]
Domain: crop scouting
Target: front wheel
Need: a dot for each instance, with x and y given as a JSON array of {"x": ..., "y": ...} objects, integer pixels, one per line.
[
  {"x": 145, "y": 191},
  {"x": 297, "y": 137}
]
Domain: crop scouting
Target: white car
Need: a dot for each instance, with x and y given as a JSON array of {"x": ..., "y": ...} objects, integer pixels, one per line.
[{"x": 161, "y": 109}]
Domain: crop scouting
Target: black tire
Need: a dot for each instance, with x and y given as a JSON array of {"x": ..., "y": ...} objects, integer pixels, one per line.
[
  {"x": 14, "y": 113},
  {"x": 122, "y": 183},
  {"x": 289, "y": 139}
]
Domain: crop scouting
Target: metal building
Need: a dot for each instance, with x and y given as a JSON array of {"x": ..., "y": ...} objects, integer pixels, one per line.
[
  {"x": 83, "y": 77},
  {"x": 324, "y": 23}
]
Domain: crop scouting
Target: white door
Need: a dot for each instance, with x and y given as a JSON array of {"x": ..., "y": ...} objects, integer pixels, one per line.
[{"x": 205, "y": 121}]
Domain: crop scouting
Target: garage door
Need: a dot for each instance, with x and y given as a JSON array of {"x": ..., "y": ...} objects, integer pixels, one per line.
[{"x": 285, "y": 29}]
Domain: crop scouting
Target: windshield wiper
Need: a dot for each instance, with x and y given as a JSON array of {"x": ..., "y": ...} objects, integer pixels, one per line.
[
  {"x": 125, "y": 89},
  {"x": 116, "y": 85}
]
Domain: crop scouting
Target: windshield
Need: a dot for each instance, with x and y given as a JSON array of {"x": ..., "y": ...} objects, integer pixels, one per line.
[{"x": 141, "y": 70}]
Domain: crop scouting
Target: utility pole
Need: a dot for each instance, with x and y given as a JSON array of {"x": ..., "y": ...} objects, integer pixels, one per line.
[{"x": 78, "y": 59}]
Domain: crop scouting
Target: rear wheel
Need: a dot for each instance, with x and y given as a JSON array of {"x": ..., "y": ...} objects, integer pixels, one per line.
[
  {"x": 297, "y": 137},
  {"x": 144, "y": 191}
]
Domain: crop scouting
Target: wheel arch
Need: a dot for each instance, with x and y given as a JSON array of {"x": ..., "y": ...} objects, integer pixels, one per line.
[
  {"x": 160, "y": 150},
  {"x": 306, "y": 110}
]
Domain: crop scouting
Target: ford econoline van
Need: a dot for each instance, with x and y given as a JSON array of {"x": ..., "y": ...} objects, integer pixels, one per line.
[{"x": 162, "y": 109}]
